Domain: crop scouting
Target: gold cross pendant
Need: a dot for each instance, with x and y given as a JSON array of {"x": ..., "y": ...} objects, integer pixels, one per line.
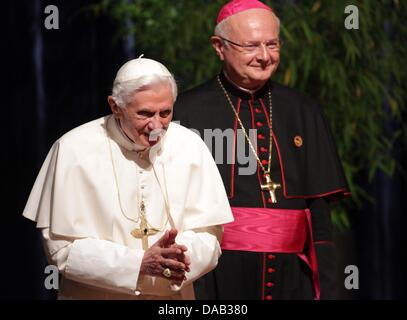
[
  {"x": 143, "y": 232},
  {"x": 271, "y": 187}
]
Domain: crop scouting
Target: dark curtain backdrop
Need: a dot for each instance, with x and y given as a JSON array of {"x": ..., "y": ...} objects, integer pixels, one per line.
[{"x": 58, "y": 79}]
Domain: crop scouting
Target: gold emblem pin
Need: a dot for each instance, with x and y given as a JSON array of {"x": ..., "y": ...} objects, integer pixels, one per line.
[{"x": 298, "y": 141}]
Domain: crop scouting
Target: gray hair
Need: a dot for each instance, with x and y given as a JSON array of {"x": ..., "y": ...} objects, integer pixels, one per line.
[
  {"x": 222, "y": 29},
  {"x": 123, "y": 92}
]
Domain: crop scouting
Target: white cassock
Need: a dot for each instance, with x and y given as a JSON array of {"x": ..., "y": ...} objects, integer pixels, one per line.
[{"x": 86, "y": 214}]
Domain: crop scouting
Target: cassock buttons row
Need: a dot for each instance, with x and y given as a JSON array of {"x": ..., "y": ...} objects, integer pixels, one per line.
[{"x": 270, "y": 284}]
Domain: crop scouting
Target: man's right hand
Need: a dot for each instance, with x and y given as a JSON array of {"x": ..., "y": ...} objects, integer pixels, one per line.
[{"x": 165, "y": 253}]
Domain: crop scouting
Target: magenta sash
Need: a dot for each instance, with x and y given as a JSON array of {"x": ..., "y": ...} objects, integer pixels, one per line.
[{"x": 273, "y": 230}]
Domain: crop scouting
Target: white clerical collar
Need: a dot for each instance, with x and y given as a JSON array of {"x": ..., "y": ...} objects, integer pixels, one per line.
[
  {"x": 128, "y": 143},
  {"x": 239, "y": 87},
  {"x": 118, "y": 135}
]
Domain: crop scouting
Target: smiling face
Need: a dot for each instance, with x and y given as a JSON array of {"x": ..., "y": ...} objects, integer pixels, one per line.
[
  {"x": 249, "y": 70},
  {"x": 148, "y": 114}
]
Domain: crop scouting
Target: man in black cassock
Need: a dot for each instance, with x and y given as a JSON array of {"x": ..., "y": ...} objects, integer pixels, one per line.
[{"x": 280, "y": 245}]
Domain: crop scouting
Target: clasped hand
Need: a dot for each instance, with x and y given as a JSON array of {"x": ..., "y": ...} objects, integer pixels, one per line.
[{"x": 165, "y": 253}]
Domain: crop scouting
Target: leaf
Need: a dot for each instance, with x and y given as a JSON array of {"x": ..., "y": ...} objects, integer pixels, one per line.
[
  {"x": 287, "y": 76},
  {"x": 316, "y": 6}
]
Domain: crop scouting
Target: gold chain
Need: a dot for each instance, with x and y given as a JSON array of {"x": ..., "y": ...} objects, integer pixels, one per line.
[
  {"x": 142, "y": 205},
  {"x": 268, "y": 171}
]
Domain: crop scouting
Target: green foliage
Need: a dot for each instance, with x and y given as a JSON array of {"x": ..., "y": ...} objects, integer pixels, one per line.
[
  {"x": 176, "y": 33},
  {"x": 355, "y": 75}
]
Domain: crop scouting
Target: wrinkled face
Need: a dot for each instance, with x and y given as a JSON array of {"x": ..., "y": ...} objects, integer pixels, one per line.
[
  {"x": 249, "y": 70},
  {"x": 147, "y": 115}
]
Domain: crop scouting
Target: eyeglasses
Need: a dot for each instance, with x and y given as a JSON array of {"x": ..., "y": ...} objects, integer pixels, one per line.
[{"x": 272, "y": 45}]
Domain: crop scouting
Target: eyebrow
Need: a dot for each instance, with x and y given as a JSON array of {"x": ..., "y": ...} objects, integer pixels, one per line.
[
  {"x": 146, "y": 109},
  {"x": 253, "y": 42},
  {"x": 149, "y": 112}
]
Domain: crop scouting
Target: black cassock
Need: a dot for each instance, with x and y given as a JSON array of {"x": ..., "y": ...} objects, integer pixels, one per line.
[{"x": 304, "y": 162}]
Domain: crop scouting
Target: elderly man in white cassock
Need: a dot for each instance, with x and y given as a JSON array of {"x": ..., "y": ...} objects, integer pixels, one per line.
[{"x": 131, "y": 205}]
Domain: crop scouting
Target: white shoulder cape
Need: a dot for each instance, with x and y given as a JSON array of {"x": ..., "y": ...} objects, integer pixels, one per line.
[{"x": 74, "y": 194}]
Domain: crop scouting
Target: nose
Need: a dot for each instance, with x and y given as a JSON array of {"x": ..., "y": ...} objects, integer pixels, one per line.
[
  {"x": 155, "y": 123},
  {"x": 263, "y": 54}
]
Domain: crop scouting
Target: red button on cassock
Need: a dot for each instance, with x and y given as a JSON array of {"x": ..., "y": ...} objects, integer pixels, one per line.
[
  {"x": 269, "y": 297},
  {"x": 264, "y": 162},
  {"x": 259, "y": 124},
  {"x": 257, "y": 110},
  {"x": 263, "y": 149},
  {"x": 260, "y": 136},
  {"x": 271, "y": 256},
  {"x": 269, "y": 284}
]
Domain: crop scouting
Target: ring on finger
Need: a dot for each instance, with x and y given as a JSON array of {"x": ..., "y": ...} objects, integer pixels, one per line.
[{"x": 167, "y": 273}]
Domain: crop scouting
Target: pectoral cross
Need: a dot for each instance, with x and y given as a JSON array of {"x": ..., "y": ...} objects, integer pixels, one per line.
[
  {"x": 143, "y": 231},
  {"x": 271, "y": 187}
]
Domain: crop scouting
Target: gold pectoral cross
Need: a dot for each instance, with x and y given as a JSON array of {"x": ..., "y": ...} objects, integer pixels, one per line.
[
  {"x": 271, "y": 187},
  {"x": 143, "y": 231}
]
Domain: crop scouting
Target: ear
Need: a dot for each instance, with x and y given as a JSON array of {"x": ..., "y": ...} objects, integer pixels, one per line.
[
  {"x": 219, "y": 47},
  {"x": 116, "y": 110}
]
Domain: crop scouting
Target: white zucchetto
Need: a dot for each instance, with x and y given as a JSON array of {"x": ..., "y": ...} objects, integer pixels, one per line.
[{"x": 137, "y": 68}]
